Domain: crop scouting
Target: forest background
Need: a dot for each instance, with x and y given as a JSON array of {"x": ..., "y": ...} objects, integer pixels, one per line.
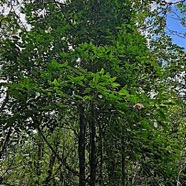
[{"x": 92, "y": 93}]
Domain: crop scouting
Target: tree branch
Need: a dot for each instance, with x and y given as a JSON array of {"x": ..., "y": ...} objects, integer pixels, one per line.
[
  {"x": 5, "y": 142},
  {"x": 62, "y": 160}
]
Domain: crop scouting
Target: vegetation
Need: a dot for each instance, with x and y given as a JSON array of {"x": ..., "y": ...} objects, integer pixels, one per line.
[{"x": 87, "y": 99}]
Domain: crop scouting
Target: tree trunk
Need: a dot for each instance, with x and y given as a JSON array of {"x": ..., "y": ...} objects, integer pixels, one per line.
[
  {"x": 100, "y": 154},
  {"x": 40, "y": 148},
  {"x": 81, "y": 146},
  {"x": 92, "y": 148},
  {"x": 123, "y": 163}
]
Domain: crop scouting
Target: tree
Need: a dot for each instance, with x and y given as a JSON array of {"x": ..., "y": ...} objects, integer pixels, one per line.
[{"x": 85, "y": 90}]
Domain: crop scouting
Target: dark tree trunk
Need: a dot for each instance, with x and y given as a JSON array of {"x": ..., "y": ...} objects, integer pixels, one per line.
[
  {"x": 123, "y": 163},
  {"x": 6, "y": 141},
  {"x": 92, "y": 148},
  {"x": 40, "y": 148},
  {"x": 100, "y": 154},
  {"x": 81, "y": 147}
]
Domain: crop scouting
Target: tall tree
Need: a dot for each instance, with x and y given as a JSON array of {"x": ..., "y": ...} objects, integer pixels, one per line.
[{"x": 84, "y": 83}]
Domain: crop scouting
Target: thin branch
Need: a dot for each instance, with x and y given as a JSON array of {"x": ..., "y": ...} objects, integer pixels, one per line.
[
  {"x": 5, "y": 142},
  {"x": 174, "y": 3},
  {"x": 182, "y": 35},
  {"x": 62, "y": 160}
]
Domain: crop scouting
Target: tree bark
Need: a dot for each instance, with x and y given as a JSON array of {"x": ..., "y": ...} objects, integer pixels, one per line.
[
  {"x": 100, "y": 154},
  {"x": 92, "y": 148},
  {"x": 123, "y": 161},
  {"x": 4, "y": 145},
  {"x": 81, "y": 147},
  {"x": 40, "y": 148}
]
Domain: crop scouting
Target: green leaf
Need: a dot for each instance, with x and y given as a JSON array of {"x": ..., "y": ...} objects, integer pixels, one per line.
[
  {"x": 87, "y": 90},
  {"x": 162, "y": 115},
  {"x": 114, "y": 85},
  {"x": 102, "y": 71},
  {"x": 56, "y": 83},
  {"x": 123, "y": 92}
]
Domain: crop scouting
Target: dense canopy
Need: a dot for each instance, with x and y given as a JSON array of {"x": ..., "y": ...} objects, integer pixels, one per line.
[{"x": 92, "y": 94}]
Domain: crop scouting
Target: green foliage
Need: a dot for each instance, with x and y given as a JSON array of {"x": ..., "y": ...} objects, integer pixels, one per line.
[{"x": 88, "y": 103}]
